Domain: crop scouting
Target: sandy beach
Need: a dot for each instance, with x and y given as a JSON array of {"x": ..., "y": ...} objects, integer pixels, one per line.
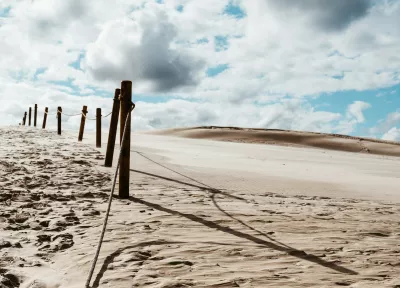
[{"x": 202, "y": 213}]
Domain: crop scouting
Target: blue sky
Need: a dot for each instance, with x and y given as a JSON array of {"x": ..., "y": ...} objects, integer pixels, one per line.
[{"x": 323, "y": 66}]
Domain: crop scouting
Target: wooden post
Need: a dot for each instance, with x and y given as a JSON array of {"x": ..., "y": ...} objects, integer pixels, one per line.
[
  {"x": 24, "y": 119},
  {"x": 126, "y": 103},
  {"x": 30, "y": 114},
  {"x": 98, "y": 127},
  {"x": 83, "y": 119},
  {"x": 113, "y": 130},
  {"x": 35, "y": 115},
  {"x": 46, "y": 110},
  {"x": 59, "y": 110}
]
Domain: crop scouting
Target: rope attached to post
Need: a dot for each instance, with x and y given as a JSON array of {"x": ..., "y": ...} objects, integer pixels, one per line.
[
  {"x": 109, "y": 204},
  {"x": 72, "y": 114},
  {"x": 107, "y": 115}
]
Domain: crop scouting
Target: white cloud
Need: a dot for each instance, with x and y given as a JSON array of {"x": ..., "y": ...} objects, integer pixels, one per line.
[
  {"x": 385, "y": 124},
  {"x": 140, "y": 49},
  {"x": 392, "y": 135},
  {"x": 355, "y": 110},
  {"x": 354, "y": 116},
  {"x": 280, "y": 54}
]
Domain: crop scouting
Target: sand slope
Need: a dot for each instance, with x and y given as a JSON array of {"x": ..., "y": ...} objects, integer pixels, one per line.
[
  {"x": 186, "y": 224},
  {"x": 288, "y": 138}
]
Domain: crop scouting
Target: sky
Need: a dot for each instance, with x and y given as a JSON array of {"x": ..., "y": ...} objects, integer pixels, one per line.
[{"x": 310, "y": 65}]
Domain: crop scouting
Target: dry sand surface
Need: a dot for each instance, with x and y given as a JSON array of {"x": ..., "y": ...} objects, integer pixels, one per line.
[
  {"x": 288, "y": 138},
  {"x": 201, "y": 214}
]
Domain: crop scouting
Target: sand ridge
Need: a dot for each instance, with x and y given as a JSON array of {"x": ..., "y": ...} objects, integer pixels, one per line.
[
  {"x": 287, "y": 138},
  {"x": 177, "y": 230}
]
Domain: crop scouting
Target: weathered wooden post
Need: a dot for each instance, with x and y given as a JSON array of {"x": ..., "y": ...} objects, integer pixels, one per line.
[
  {"x": 35, "y": 115},
  {"x": 83, "y": 119},
  {"x": 126, "y": 104},
  {"x": 24, "y": 121},
  {"x": 46, "y": 110},
  {"x": 59, "y": 110},
  {"x": 98, "y": 127},
  {"x": 30, "y": 114},
  {"x": 113, "y": 130}
]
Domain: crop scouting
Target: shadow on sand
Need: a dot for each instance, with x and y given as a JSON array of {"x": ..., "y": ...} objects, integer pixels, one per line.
[
  {"x": 293, "y": 252},
  {"x": 272, "y": 243}
]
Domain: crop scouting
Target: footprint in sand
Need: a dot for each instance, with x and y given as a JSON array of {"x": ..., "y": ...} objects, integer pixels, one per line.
[
  {"x": 8, "y": 280},
  {"x": 54, "y": 243}
]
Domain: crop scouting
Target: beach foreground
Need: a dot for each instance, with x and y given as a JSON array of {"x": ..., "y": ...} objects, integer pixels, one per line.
[{"x": 201, "y": 214}]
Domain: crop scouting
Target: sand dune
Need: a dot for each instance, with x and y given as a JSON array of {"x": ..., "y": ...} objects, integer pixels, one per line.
[
  {"x": 201, "y": 214},
  {"x": 288, "y": 138}
]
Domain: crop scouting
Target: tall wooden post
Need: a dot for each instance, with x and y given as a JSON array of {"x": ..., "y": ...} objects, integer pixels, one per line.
[
  {"x": 83, "y": 119},
  {"x": 113, "y": 130},
  {"x": 35, "y": 115},
  {"x": 98, "y": 127},
  {"x": 29, "y": 117},
  {"x": 24, "y": 120},
  {"x": 46, "y": 110},
  {"x": 59, "y": 110},
  {"x": 126, "y": 104}
]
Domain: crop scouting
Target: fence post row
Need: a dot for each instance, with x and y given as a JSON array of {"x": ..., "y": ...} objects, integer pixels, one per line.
[
  {"x": 29, "y": 116},
  {"x": 46, "y": 110},
  {"x": 113, "y": 129},
  {"x": 35, "y": 115},
  {"x": 98, "y": 127},
  {"x": 83, "y": 119},
  {"x": 126, "y": 103},
  {"x": 122, "y": 104},
  {"x": 59, "y": 110}
]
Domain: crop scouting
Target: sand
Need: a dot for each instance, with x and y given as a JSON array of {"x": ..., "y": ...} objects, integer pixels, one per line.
[
  {"x": 287, "y": 138},
  {"x": 201, "y": 214}
]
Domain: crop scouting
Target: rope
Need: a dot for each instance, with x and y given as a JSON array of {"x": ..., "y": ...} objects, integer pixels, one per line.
[
  {"x": 51, "y": 113},
  {"x": 109, "y": 206},
  {"x": 107, "y": 115},
  {"x": 87, "y": 117},
  {"x": 70, "y": 114}
]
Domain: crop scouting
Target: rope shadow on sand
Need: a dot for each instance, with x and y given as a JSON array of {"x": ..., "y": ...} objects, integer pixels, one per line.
[
  {"x": 279, "y": 246},
  {"x": 213, "y": 192},
  {"x": 110, "y": 258},
  {"x": 203, "y": 188},
  {"x": 293, "y": 252}
]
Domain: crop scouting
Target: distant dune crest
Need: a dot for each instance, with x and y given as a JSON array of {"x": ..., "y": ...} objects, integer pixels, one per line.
[{"x": 287, "y": 138}]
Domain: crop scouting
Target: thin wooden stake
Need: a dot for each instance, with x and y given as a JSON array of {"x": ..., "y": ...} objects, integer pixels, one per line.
[
  {"x": 46, "y": 110},
  {"x": 98, "y": 127},
  {"x": 59, "y": 110},
  {"x": 83, "y": 119},
  {"x": 113, "y": 129},
  {"x": 35, "y": 115},
  {"x": 24, "y": 120},
  {"x": 126, "y": 104},
  {"x": 30, "y": 114}
]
